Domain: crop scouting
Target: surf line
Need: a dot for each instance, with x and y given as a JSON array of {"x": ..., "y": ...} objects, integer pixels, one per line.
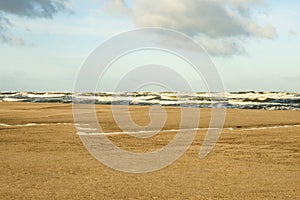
[
  {"x": 186, "y": 130},
  {"x": 82, "y": 129},
  {"x": 33, "y": 124}
]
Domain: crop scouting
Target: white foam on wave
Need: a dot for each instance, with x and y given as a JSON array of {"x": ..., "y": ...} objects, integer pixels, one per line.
[
  {"x": 262, "y": 96},
  {"x": 45, "y": 95},
  {"x": 236, "y": 102},
  {"x": 8, "y": 99},
  {"x": 243, "y": 100}
]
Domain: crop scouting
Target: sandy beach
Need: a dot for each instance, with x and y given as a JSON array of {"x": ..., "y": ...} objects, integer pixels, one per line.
[{"x": 42, "y": 157}]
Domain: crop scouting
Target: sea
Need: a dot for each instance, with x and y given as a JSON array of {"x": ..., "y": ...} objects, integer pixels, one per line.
[{"x": 233, "y": 100}]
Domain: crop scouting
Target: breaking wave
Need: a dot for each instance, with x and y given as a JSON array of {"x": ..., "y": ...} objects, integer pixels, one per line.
[{"x": 241, "y": 100}]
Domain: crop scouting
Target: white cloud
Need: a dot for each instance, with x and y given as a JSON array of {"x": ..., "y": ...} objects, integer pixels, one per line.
[
  {"x": 292, "y": 33},
  {"x": 218, "y": 24},
  {"x": 221, "y": 47},
  {"x": 116, "y": 7}
]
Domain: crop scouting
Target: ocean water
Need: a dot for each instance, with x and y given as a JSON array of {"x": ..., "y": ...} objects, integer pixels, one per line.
[{"x": 241, "y": 100}]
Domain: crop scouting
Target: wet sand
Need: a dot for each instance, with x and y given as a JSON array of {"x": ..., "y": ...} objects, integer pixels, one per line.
[{"x": 47, "y": 160}]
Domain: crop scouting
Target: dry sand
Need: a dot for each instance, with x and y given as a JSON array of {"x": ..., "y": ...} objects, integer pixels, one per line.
[{"x": 49, "y": 161}]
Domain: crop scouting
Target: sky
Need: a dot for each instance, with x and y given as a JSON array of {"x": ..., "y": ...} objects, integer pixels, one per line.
[{"x": 254, "y": 44}]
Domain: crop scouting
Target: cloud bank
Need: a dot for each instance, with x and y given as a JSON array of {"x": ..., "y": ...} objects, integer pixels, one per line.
[
  {"x": 220, "y": 26},
  {"x": 26, "y": 8}
]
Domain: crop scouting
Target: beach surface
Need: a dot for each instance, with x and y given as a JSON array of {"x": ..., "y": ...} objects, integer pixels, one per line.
[{"x": 42, "y": 157}]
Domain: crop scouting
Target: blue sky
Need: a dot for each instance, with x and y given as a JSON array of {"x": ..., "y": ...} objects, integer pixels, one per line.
[{"x": 40, "y": 53}]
